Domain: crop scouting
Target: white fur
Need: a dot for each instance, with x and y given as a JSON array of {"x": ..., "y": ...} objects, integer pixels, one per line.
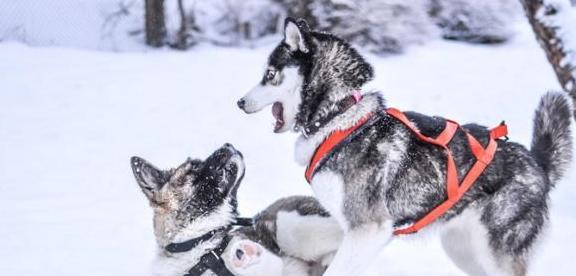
[
  {"x": 360, "y": 244},
  {"x": 293, "y": 37},
  {"x": 287, "y": 93},
  {"x": 307, "y": 237},
  {"x": 178, "y": 264},
  {"x": 293, "y": 267},
  {"x": 465, "y": 240},
  {"x": 219, "y": 218},
  {"x": 328, "y": 188},
  {"x": 264, "y": 263},
  {"x": 359, "y": 248}
]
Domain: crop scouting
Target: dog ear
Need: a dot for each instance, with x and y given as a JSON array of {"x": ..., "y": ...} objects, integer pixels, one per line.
[
  {"x": 295, "y": 34},
  {"x": 149, "y": 178}
]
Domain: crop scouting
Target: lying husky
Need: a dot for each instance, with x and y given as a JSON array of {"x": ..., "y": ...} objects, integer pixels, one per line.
[
  {"x": 295, "y": 230},
  {"x": 195, "y": 210},
  {"x": 383, "y": 175}
]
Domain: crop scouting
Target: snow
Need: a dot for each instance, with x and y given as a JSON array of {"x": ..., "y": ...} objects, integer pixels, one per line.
[
  {"x": 70, "y": 119},
  {"x": 73, "y": 23}
]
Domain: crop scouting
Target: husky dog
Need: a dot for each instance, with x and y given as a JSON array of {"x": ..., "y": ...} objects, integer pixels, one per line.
[
  {"x": 195, "y": 209},
  {"x": 384, "y": 176}
]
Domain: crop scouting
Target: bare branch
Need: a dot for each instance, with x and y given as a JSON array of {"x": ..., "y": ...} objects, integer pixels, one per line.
[{"x": 540, "y": 13}]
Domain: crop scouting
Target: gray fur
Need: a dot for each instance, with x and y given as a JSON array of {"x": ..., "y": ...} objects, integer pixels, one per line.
[
  {"x": 390, "y": 175},
  {"x": 551, "y": 144},
  {"x": 264, "y": 229},
  {"x": 199, "y": 196}
]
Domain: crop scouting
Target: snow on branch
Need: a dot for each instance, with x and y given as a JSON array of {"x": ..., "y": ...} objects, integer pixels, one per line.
[{"x": 554, "y": 23}]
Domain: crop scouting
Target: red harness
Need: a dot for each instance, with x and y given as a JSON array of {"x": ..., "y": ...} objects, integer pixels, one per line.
[{"x": 455, "y": 190}]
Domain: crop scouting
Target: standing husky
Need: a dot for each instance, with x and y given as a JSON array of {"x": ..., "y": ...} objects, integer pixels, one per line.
[
  {"x": 383, "y": 176},
  {"x": 195, "y": 209}
]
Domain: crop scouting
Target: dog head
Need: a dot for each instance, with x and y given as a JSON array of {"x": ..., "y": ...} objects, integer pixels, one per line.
[
  {"x": 196, "y": 197},
  {"x": 306, "y": 74}
]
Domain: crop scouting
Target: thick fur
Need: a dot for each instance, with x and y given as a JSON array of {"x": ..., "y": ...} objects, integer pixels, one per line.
[
  {"x": 551, "y": 128},
  {"x": 384, "y": 177},
  {"x": 199, "y": 196}
]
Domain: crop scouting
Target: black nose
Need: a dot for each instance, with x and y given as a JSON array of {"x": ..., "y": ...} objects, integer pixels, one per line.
[{"x": 241, "y": 103}]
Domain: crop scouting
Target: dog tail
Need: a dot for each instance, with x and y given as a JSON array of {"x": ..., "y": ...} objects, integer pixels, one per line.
[{"x": 552, "y": 137}]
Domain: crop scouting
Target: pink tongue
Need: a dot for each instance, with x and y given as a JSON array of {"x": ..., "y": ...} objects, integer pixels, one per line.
[{"x": 277, "y": 111}]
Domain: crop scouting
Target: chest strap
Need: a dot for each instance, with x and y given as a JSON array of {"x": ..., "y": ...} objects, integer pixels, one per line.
[
  {"x": 212, "y": 261},
  {"x": 333, "y": 140},
  {"x": 455, "y": 189}
]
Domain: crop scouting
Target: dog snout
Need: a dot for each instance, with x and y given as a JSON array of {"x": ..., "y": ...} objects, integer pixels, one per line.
[
  {"x": 136, "y": 161},
  {"x": 241, "y": 103}
]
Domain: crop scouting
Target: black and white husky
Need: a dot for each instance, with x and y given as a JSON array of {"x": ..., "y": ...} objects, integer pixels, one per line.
[
  {"x": 195, "y": 209},
  {"x": 385, "y": 177}
]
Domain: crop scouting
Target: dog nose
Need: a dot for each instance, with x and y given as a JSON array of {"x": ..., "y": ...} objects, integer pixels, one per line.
[{"x": 241, "y": 103}]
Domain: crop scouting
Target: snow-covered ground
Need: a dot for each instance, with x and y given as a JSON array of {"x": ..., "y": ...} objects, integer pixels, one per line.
[{"x": 70, "y": 119}]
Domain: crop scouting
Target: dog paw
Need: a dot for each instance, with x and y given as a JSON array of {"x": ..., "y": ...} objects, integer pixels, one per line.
[{"x": 244, "y": 253}]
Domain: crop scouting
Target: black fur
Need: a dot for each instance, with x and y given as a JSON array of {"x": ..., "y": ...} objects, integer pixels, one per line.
[{"x": 388, "y": 172}]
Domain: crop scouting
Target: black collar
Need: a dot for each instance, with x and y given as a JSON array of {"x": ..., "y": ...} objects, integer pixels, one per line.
[
  {"x": 341, "y": 107},
  {"x": 189, "y": 244},
  {"x": 213, "y": 259}
]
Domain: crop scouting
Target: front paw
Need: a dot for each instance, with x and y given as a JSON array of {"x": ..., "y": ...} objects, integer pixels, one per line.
[{"x": 243, "y": 254}]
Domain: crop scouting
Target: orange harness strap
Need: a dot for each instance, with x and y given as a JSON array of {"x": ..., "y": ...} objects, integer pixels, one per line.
[
  {"x": 328, "y": 145},
  {"x": 455, "y": 190}
]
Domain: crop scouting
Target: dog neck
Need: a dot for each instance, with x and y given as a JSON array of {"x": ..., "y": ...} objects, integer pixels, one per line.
[
  {"x": 306, "y": 145},
  {"x": 177, "y": 264}
]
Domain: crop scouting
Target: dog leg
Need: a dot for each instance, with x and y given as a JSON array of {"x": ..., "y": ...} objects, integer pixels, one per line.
[
  {"x": 465, "y": 240},
  {"x": 359, "y": 248},
  {"x": 293, "y": 267}
]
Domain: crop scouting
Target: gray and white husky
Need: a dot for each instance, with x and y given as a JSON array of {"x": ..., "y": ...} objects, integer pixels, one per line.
[
  {"x": 384, "y": 176},
  {"x": 195, "y": 210}
]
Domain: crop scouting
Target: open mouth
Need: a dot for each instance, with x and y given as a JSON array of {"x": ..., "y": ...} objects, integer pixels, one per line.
[
  {"x": 230, "y": 164},
  {"x": 278, "y": 113}
]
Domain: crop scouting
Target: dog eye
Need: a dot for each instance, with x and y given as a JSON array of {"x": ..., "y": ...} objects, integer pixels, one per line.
[{"x": 270, "y": 74}]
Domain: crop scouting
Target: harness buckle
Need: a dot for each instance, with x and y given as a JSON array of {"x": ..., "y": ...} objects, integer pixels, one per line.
[{"x": 215, "y": 255}]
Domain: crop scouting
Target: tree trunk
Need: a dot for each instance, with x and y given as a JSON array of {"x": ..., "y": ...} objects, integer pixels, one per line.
[
  {"x": 552, "y": 43},
  {"x": 182, "y": 36},
  {"x": 154, "y": 23}
]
